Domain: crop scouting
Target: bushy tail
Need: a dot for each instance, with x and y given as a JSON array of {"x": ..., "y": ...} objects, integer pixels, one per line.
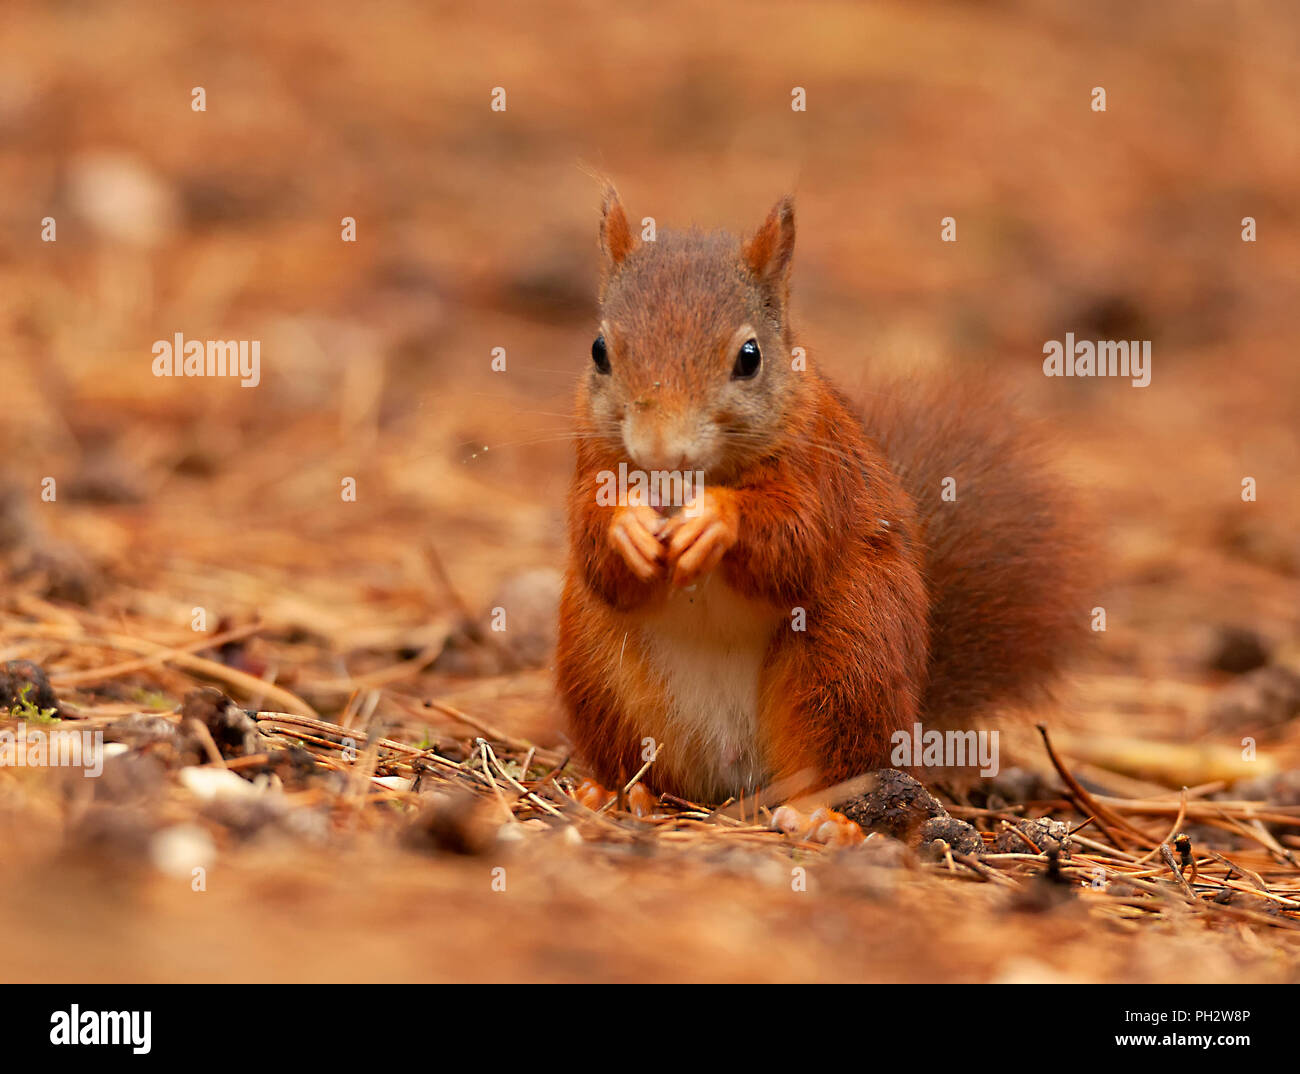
[{"x": 1005, "y": 552}]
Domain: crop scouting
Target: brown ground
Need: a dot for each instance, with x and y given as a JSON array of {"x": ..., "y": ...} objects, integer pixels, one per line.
[{"x": 476, "y": 230}]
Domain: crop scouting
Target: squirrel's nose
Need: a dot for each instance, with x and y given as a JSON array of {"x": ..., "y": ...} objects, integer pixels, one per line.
[
  {"x": 668, "y": 459},
  {"x": 658, "y": 451}
]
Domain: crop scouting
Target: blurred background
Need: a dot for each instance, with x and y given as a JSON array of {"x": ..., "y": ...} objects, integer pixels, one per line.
[{"x": 476, "y": 229}]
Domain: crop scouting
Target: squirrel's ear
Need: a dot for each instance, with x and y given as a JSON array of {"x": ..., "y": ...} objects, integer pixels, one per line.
[
  {"x": 769, "y": 252},
  {"x": 615, "y": 234}
]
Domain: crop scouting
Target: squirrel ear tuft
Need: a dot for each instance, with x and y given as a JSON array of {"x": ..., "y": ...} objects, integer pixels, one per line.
[
  {"x": 615, "y": 234},
  {"x": 769, "y": 252}
]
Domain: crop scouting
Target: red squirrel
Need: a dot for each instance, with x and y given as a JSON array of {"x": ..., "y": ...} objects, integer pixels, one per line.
[{"x": 819, "y": 593}]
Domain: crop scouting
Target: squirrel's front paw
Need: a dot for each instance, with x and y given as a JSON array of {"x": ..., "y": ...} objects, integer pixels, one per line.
[
  {"x": 699, "y": 537},
  {"x": 633, "y": 535},
  {"x": 821, "y": 826}
]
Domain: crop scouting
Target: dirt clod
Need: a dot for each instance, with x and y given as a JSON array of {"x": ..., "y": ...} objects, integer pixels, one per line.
[
  {"x": 24, "y": 685},
  {"x": 232, "y": 729},
  {"x": 957, "y": 834},
  {"x": 1033, "y": 836}
]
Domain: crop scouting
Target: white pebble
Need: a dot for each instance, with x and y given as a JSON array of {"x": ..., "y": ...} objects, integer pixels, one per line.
[
  {"x": 211, "y": 784},
  {"x": 182, "y": 848},
  {"x": 123, "y": 198}
]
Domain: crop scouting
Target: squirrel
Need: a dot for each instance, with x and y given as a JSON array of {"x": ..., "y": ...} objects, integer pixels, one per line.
[{"x": 818, "y": 592}]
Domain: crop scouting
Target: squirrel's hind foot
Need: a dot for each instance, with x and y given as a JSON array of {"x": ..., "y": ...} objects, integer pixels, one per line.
[
  {"x": 641, "y": 801},
  {"x": 823, "y": 826}
]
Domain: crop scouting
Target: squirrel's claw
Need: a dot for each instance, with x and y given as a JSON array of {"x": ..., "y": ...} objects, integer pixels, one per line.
[
  {"x": 697, "y": 544},
  {"x": 823, "y": 826},
  {"x": 640, "y": 799},
  {"x": 702, "y": 556},
  {"x": 632, "y": 536}
]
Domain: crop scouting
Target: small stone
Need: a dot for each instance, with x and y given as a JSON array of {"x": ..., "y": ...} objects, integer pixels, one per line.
[
  {"x": 182, "y": 848},
  {"x": 122, "y": 198},
  {"x": 210, "y": 784}
]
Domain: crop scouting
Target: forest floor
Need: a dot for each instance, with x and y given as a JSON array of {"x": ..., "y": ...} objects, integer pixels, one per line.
[{"x": 388, "y": 798}]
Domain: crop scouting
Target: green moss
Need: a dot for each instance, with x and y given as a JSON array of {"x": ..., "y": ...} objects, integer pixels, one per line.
[{"x": 25, "y": 709}]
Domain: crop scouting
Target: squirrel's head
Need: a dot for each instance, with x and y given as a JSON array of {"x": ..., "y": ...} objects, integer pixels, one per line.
[{"x": 691, "y": 367}]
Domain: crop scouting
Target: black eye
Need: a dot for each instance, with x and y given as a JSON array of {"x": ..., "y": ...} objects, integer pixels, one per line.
[
  {"x": 747, "y": 361},
  {"x": 599, "y": 356}
]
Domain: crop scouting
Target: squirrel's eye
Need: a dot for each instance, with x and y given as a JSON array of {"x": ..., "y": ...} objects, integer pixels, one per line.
[
  {"x": 747, "y": 361},
  {"x": 599, "y": 355}
]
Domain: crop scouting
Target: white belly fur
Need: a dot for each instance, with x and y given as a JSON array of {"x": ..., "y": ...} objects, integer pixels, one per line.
[{"x": 707, "y": 649}]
